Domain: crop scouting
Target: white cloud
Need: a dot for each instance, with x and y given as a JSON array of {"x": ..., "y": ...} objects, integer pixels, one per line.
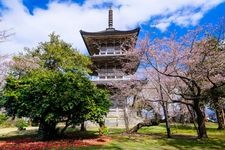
[
  {"x": 67, "y": 18},
  {"x": 162, "y": 25}
]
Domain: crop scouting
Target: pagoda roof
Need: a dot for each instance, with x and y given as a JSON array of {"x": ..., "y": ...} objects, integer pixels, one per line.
[
  {"x": 110, "y": 32},
  {"x": 105, "y": 34}
]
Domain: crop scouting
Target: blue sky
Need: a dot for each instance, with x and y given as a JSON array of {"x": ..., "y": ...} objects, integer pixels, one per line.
[{"x": 33, "y": 20}]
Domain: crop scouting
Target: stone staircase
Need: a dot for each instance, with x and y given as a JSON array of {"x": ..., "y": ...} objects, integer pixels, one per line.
[{"x": 115, "y": 118}]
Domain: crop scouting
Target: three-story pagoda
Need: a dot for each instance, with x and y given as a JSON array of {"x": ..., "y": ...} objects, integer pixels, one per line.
[{"x": 108, "y": 50}]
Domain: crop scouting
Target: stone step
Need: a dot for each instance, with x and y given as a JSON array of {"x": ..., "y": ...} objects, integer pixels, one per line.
[{"x": 115, "y": 113}]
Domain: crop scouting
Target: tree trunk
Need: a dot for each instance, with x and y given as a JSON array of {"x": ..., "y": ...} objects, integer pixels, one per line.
[
  {"x": 165, "y": 107},
  {"x": 47, "y": 130},
  {"x": 64, "y": 128},
  {"x": 82, "y": 127},
  {"x": 102, "y": 129},
  {"x": 200, "y": 121},
  {"x": 165, "y": 110},
  {"x": 193, "y": 118},
  {"x": 126, "y": 118},
  {"x": 144, "y": 124},
  {"x": 101, "y": 124},
  {"x": 219, "y": 114}
]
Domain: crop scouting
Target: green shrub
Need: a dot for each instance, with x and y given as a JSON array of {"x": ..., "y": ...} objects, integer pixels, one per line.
[
  {"x": 3, "y": 118},
  {"x": 103, "y": 130},
  {"x": 21, "y": 124},
  {"x": 7, "y": 124},
  {"x": 5, "y": 121}
]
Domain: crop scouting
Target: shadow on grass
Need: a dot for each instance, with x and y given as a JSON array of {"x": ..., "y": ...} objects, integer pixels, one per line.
[
  {"x": 19, "y": 136},
  {"x": 190, "y": 142},
  {"x": 185, "y": 141},
  {"x": 103, "y": 147},
  {"x": 79, "y": 135},
  {"x": 32, "y": 136},
  {"x": 181, "y": 142}
]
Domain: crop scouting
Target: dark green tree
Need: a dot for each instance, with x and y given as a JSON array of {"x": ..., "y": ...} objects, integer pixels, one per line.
[
  {"x": 215, "y": 98},
  {"x": 50, "y": 84}
]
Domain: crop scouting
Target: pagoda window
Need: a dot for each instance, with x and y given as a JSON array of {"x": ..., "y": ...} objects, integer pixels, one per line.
[
  {"x": 110, "y": 50},
  {"x": 110, "y": 77},
  {"x": 102, "y": 52},
  {"x": 101, "y": 77},
  {"x": 119, "y": 77},
  {"x": 110, "y": 73}
]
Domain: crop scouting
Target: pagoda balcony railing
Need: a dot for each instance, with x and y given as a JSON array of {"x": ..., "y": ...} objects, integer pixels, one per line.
[
  {"x": 114, "y": 71},
  {"x": 107, "y": 78},
  {"x": 109, "y": 53}
]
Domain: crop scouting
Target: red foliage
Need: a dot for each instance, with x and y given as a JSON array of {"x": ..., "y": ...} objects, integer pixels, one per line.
[{"x": 31, "y": 144}]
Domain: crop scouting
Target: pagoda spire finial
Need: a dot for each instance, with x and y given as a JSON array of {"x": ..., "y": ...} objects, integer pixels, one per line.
[
  {"x": 110, "y": 17},
  {"x": 110, "y": 21}
]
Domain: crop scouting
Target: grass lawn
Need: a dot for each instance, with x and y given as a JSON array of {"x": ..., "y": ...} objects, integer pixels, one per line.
[{"x": 148, "y": 138}]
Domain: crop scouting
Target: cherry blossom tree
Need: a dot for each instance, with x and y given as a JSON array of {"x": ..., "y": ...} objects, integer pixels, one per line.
[
  {"x": 193, "y": 62},
  {"x": 4, "y": 59},
  {"x": 3, "y": 69}
]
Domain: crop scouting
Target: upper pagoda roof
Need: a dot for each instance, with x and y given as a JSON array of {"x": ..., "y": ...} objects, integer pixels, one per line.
[
  {"x": 111, "y": 32},
  {"x": 88, "y": 37},
  {"x": 92, "y": 39}
]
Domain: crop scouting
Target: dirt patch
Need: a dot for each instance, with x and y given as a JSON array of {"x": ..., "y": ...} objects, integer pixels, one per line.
[{"x": 31, "y": 144}]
